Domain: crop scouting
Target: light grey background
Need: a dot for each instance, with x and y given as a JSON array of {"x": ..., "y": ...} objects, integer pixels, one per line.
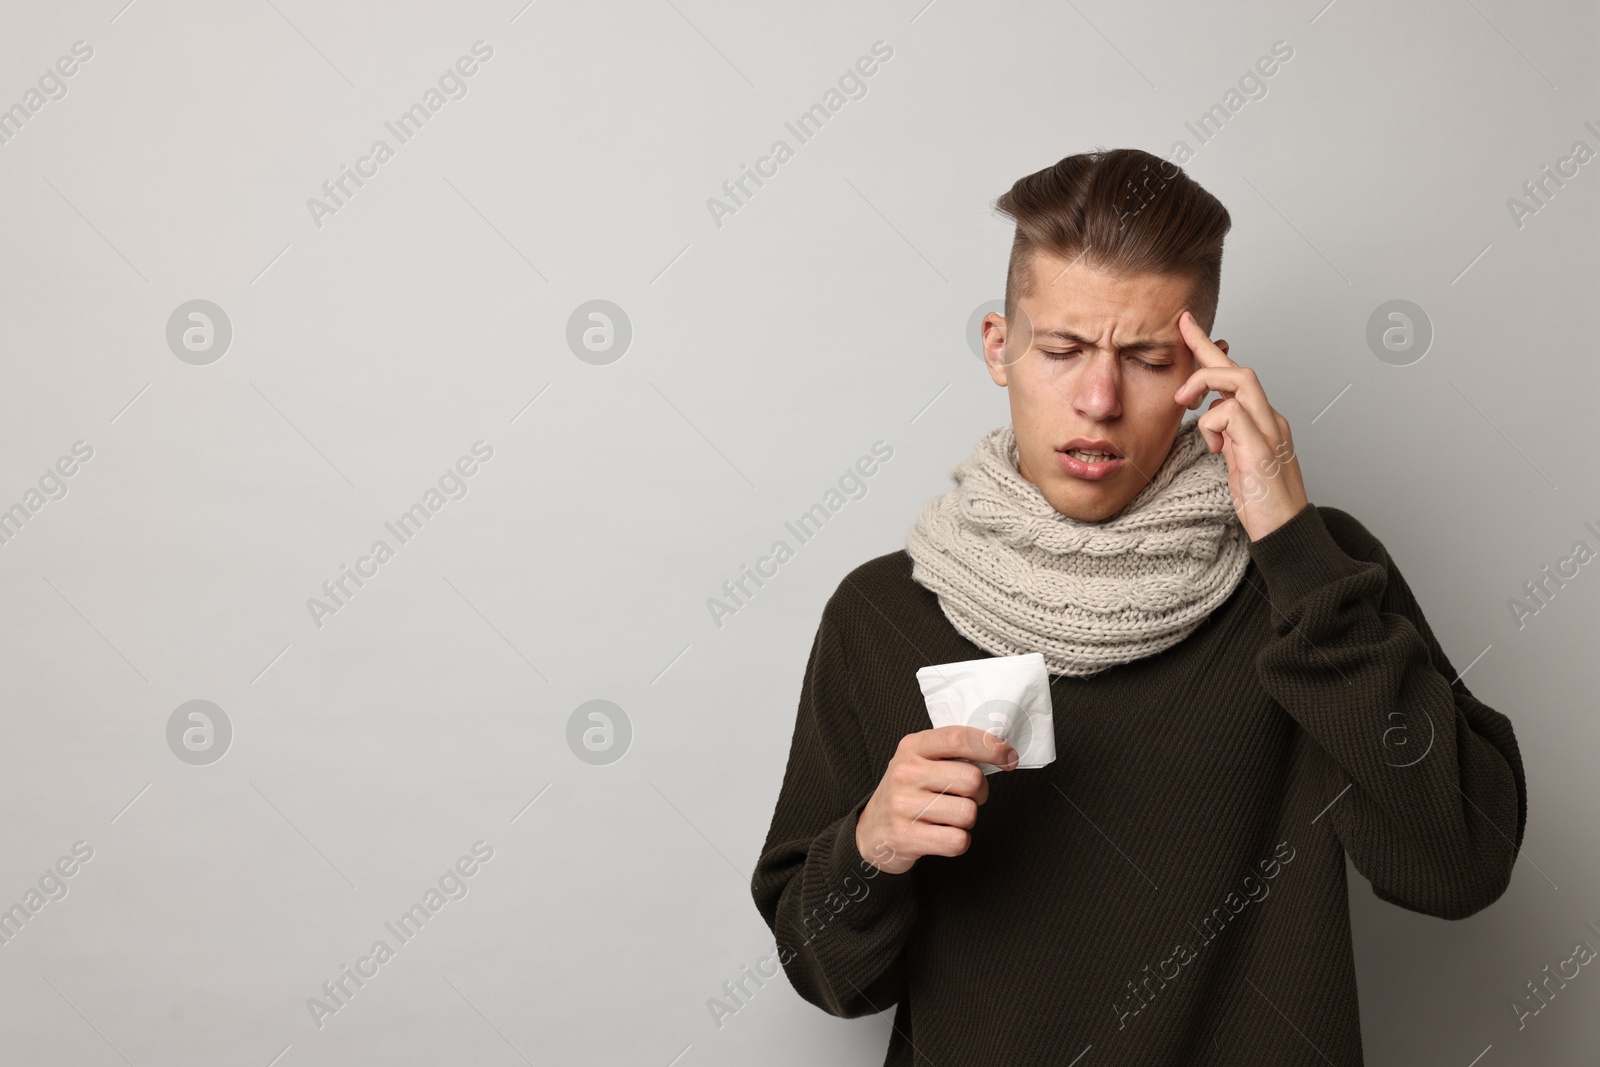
[{"x": 431, "y": 312}]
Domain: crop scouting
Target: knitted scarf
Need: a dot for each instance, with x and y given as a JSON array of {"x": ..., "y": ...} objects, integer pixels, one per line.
[{"x": 1014, "y": 575}]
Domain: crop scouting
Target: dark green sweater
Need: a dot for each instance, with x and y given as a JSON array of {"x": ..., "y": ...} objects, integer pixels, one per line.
[{"x": 1171, "y": 890}]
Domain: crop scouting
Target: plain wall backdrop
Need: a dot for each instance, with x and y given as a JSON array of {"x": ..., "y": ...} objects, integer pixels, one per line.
[{"x": 351, "y": 757}]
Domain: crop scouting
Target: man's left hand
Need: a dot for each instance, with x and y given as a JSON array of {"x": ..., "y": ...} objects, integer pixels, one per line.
[{"x": 1263, "y": 472}]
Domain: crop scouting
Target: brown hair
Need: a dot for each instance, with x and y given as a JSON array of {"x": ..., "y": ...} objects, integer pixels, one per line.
[{"x": 1123, "y": 211}]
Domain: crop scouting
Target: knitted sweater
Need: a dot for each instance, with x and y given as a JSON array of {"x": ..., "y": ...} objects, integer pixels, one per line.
[{"x": 1171, "y": 890}]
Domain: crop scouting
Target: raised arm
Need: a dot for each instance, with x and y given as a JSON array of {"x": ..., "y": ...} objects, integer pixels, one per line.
[{"x": 1436, "y": 802}]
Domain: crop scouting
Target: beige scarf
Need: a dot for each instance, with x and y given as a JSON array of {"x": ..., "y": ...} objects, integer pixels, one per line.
[{"x": 1014, "y": 575}]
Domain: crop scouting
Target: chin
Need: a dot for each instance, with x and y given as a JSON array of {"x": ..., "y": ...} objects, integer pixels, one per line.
[{"x": 1091, "y": 507}]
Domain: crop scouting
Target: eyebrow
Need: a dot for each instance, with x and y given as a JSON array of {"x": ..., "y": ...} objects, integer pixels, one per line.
[{"x": 1143, "y": 344}]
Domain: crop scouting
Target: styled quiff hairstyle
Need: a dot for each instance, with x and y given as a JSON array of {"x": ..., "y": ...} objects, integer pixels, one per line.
[{"x": 1124, "y": 211}]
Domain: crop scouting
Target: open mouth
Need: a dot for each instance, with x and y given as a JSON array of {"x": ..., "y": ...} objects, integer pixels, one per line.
[{"x": 1090, "y": 459}]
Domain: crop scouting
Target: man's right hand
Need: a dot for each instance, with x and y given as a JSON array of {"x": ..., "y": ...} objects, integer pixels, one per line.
[{"x": 928, "y": 798}]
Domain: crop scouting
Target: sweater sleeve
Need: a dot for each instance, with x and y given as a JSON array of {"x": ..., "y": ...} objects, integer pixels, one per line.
[
  {"x": 1434, "y": 801},
  {"x": 840, "y": 922}
]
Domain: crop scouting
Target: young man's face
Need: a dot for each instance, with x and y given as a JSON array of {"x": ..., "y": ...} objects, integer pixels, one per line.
[{"x": 1074, "y": 368}]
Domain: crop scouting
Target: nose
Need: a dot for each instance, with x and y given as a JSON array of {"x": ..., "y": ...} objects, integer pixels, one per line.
[{"x": 1097, "y": 388}]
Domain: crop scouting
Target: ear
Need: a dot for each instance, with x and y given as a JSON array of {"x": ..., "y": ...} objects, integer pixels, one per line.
[{"x": 994, "y": 347}]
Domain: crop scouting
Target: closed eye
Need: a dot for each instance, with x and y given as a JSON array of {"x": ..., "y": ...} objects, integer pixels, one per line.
[{"x": 1052, "y": 354}]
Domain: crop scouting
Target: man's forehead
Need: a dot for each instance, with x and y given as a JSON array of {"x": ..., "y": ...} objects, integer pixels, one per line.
[
  {"x": 1132, "y": 324},
  {"x": 1079, "y": 304},
  {"x": 1141, "y": 341}
]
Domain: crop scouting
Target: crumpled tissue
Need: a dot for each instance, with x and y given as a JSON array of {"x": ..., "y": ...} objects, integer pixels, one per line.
[{"x": 1009, "y": 696}]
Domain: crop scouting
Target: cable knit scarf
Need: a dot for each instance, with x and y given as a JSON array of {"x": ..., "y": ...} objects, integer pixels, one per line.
[{"x": 1014, "y": 575}]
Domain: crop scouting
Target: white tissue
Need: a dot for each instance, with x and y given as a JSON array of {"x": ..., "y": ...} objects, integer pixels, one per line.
[{"x": 1007, "y": 695}]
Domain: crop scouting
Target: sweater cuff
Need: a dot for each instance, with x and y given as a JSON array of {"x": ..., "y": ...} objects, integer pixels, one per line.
[
  {"x": 870, "y": 891},
  {"x": 1300, "y": 556}
]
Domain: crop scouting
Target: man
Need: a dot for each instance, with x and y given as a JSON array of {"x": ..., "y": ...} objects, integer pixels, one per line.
[{"x": 1244, "y": 691}]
